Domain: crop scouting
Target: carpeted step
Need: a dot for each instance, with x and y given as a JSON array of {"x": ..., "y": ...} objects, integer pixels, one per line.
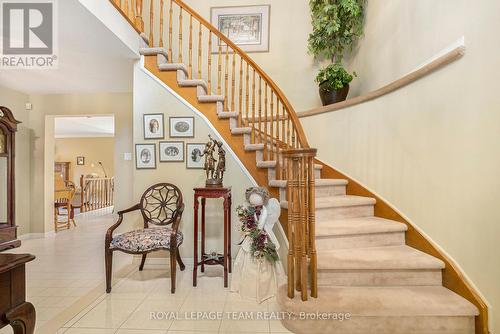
[
  {"x": 323, "y": 187},
  {"x": 227, "y": 114},
  {"x": 378, "y": 266},
  {"x": 241, "y": 131},
  {"x": 254, "y": 147},
  {"x": 395, "y": 310},
  {"x": 173, "y": 67},
  {"x": 210, "y": 98},
  {"x": 359, "y": 233},
  {"x": 340, "y": 207}
]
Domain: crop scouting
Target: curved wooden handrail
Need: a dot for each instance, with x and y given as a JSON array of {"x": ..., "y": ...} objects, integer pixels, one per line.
[
  {"x": 244, "y": 55},
  {"x": 436, "y": 64}
]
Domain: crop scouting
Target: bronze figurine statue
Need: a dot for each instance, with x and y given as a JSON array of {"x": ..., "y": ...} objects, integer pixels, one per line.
[{"x": 214, "y": 168}]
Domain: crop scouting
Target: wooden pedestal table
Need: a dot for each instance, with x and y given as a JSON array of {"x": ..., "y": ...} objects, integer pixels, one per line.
[
  {"x": 223, "y": 259},
  {"x": 14, "y": 310}
]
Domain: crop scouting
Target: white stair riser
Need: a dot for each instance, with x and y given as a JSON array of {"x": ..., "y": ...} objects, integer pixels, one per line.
[
  {"x": 379, "y": 277},
  {"x": 320, "y": 191},
  {"x": 360, "y": 240},
  {"x": 377, "y": 325},
  {"x": 344, "y": 212}
]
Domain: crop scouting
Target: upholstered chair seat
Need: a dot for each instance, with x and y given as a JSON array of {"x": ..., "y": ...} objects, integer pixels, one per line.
[{"x": 145, "y": 240}]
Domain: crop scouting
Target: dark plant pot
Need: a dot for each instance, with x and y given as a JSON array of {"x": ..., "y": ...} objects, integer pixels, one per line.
[{"x": 334, "y": 96}]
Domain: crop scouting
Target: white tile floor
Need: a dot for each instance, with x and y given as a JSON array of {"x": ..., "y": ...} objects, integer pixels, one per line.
[
  {"x": 70, "y": 265},
  {"x": 67, "y": 266}
]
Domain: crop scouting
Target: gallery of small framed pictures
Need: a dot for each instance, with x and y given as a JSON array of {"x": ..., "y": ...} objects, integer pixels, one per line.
[{"x": 169, "y": 151}]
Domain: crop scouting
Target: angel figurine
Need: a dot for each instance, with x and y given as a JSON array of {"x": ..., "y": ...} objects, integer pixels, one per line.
[{"x": 257, "y": 269}]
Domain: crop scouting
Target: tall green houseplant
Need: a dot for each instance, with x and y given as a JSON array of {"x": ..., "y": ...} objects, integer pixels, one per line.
[{"x": 337, "y": 24}]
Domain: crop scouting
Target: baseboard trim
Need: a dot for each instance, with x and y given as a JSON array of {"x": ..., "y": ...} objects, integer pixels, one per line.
[{"x": 42, "y": 235}]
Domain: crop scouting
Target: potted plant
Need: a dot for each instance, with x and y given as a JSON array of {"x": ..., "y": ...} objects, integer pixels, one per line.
[{"x": 337, "y": 24}]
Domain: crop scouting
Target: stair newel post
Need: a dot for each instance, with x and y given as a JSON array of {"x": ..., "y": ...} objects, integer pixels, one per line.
[
  {"x": 151, "y": 23},
  {"x": 170, "y": 26},
  {"x": 313, "y": 264},
  {"x": 160, "y": 44},
  {"x": 291, "y": 188},
  {"x": 190, "y": 71},
  {"x": 303, "y": 223},
  {"x": 139, "y": 23}
]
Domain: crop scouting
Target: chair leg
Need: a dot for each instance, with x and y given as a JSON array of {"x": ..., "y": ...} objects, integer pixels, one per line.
[
  {"x": 179, "y": 260},
  {"x": 55, "y": 219},
  {"x": 173, "y": 269},
  {"x": 109, "y": 269},
  {"x": 143, "y": 261}
]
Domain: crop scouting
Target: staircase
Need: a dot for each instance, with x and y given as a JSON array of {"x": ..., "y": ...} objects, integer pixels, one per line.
[{"x": 353, "y": 261}]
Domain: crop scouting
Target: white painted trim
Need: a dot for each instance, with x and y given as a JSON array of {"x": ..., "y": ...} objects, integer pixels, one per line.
[
  {"x": 425, "y": 235},
  {"x": 210, "y": 125},
  {"x": 28, "y": 236}
]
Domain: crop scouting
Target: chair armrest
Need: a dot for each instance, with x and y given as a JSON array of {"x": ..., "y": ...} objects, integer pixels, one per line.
[
  {"x": 175, "y": 225},
  {"x": 109, "y": 232}
]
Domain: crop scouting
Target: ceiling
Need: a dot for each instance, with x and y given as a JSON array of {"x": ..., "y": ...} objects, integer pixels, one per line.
[
  {"x": 84, "y": 126},
  {"x": 91, "y": 58}
]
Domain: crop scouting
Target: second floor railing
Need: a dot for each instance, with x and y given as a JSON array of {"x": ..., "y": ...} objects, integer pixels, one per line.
[
  {"x": 214, "y": 61},
  {"x": 96, "y": 193}
]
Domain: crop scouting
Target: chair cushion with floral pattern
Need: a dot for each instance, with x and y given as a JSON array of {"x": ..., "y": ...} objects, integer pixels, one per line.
[{"x": 145, "y": 240}]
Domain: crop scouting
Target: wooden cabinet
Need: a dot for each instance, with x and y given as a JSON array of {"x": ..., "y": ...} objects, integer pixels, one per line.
[{"x": 8, "y": 229}]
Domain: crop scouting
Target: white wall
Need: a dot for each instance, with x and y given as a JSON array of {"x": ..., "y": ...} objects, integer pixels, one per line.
[{"x": 432, "y": 148}]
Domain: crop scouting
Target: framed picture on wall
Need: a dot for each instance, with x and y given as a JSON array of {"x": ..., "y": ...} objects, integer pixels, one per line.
[
  {"x": 245, "y": 26},
  {"x": 153, "y": 126},
  {"x": 181, "y": 127},
  {"x": 194, "y": 158},
  {"x": 80, "y": 161},
  {"x": 171, "y": 151},
  {"x": 145, "y": 156}
]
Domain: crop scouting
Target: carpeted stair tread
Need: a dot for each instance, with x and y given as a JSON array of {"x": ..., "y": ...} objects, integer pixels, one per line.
[
  {"x": 227, "y": 114},
  {"x": 339, "y": 201},
  {"x": 241, "y": 131},
  {"x": 173, "y": 67},
  {"x": 357, "y": 226},
  {"x": 210, "y": 98},
  {"x": 254, "y": 147},
  {"x": 373, "y": 258},
  {"x": 153, "y": 52},
  {"x": 401, "y": 301}
]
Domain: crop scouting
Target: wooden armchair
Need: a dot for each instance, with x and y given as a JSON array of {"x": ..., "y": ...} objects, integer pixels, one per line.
[
  {"x": 63, "y": 199},
  {"x": 161, "y": 205}
]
